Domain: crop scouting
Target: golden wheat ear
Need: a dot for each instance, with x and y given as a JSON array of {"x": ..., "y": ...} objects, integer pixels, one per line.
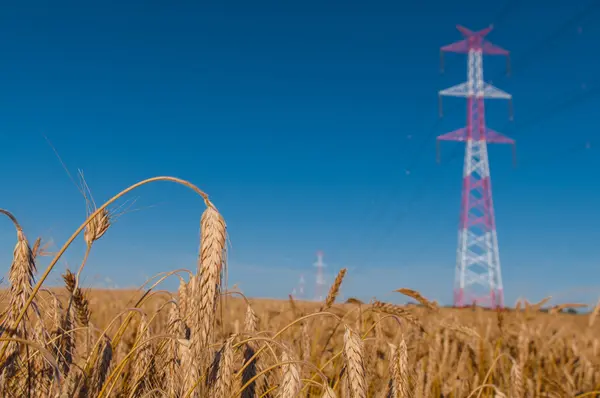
[
  {"x": 353, "y": 358},
  {"x": 334, "y": 290},
  {"x": 291, "y": 383}
]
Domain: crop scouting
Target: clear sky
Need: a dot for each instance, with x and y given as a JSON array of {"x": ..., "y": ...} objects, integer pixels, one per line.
[{"x": 312, "y": 126}]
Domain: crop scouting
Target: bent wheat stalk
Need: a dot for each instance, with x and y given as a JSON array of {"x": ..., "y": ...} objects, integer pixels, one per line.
[{"x": 64, "y": 248}]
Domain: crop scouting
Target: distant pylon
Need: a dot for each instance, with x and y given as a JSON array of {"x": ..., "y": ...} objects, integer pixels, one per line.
[
  {"x": 298, "y": 291},
  {"x": 478, "y": 277},
  {"x": 301, "y": 287},
  {"x": 320, "y": 286}
]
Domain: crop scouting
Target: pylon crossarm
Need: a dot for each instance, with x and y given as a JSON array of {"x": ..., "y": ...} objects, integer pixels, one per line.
[
  {"x": 475, "y": 41},
  {"x": 460, "y": 47},
  {"x": 463, "y": 90},
  {"x": 456, "y": 135},
  {"x": 492, "y": 49},
  {"x": 466, "y": 32},
  {"x": 494, "y": 137},
  {"x": 492, "y": 92},
  {"x": 460, "y": 90}
]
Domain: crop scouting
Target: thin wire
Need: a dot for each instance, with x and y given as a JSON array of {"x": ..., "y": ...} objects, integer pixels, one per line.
[
  {"x": 505, "y": 11},
  {"x": 546, "y": 43}
]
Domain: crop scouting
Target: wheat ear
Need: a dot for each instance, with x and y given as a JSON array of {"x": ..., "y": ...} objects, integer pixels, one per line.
[
  {"x": 212, "y": 245},
  {"x": 353, "y": 357},
  {"x": 334, "y": 289},
  {"x": 291, "y": 384}
]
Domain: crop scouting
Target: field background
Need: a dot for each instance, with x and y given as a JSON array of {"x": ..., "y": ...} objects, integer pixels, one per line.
[
  {"x": 449, "y": 352},
  {"x": 202, "y": 341}
]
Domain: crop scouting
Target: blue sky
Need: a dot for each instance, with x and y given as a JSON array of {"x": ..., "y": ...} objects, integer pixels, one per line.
[{"x": 301, "y": 120}]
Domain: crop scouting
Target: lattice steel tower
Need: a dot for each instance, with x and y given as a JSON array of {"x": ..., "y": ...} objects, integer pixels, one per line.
[{"x": 478, "y": 277}]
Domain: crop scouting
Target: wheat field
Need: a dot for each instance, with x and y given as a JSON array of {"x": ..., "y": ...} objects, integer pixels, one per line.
[{"x": 206, "y": 341}]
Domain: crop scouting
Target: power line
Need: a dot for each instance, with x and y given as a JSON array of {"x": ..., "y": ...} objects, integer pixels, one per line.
[
  {"x": 525, "y": 60},
  {"x": 555, "y": 34},
  {"x": 569, "y": 25},
  {"x": 570, "y": 101},
  {"x": 499, "y": 17}
]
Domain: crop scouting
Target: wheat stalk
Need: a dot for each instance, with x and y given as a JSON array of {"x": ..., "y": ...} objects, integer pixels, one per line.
[
  {"x": 397, "y": 311},
  {"x": 419, "y": 297}
]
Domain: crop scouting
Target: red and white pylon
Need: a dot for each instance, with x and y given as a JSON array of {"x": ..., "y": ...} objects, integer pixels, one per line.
[{"x": 478, "y": 276}]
